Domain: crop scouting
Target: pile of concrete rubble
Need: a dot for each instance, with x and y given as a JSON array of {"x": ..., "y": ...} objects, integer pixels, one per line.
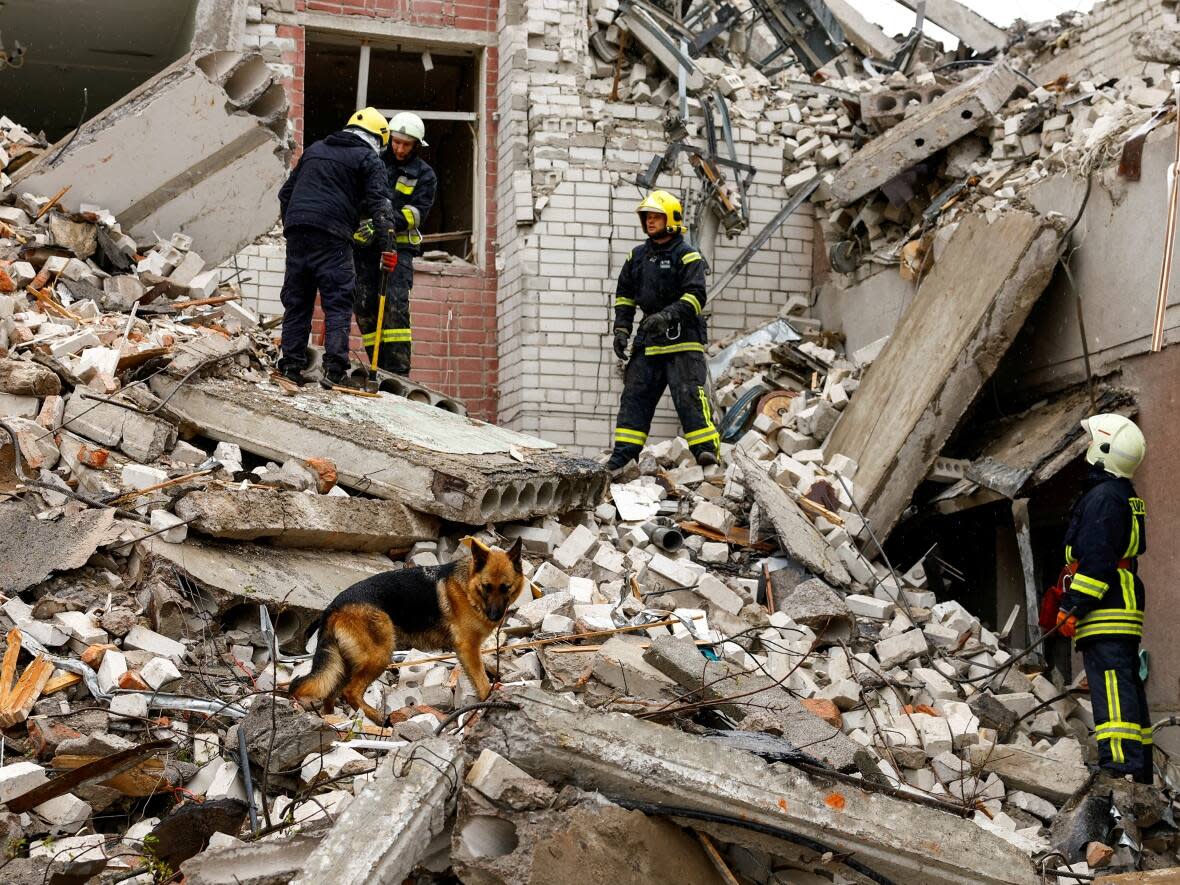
[
  {"x": 714, "y": 674},
  {"x": 724, "y": 612}
]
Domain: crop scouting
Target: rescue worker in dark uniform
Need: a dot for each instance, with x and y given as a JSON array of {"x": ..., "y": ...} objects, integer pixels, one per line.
[
  {"x": 321, "y": 203},
  {"x": 665, "y": 278},
  {"x": 413, "y": 185},
  {"x": 1102, "y": 607}
]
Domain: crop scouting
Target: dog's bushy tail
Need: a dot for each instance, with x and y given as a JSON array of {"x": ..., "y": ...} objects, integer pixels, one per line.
[{"x": 328, "y": 670}]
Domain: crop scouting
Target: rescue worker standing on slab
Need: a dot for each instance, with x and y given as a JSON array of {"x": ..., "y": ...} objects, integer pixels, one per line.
[
  {"x": 320, "y": 205},
  {"x": 665, "y": 278},
  {"x": 413, "y": 185},
  {"x": 1102, "y": 607}
]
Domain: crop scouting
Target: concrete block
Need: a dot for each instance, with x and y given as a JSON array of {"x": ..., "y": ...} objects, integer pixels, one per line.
[
  {"x": 14, "y": 406},
  {"x": 712, "y": 516},
  {"x": 899, "y": 649},
  {"x": 17, "y": 778},
  {"x": 870, "y": 607},
  {"x": 140, "y": 476},
  {"x": 158, "y": 672},
  {"x": 113, "y": 665},
  {"x": 81, "y": 627},
  {"x": 571, "y": 551},
  {"x": 66, "y": 812},
  {"x": 619, "y": 663},
  {"x": 712, "y": 589},
  {"x": 143, "y": 639},
  {"x": 171, "y": 527}
]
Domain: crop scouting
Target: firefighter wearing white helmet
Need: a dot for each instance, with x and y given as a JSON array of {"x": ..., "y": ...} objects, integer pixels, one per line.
[
  {"x": 1102, "y": 607},
  {"x": 665, "y": 278},
  {"x": 412, "y": 185}
]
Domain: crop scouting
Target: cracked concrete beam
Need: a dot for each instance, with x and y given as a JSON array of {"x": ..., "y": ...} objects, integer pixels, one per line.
[
  {"x": 624, "y": 758},
  {"x": 939, "y": 124},
  {"x": 193, "y": 149},
  {"x": 384, "y": 832}
]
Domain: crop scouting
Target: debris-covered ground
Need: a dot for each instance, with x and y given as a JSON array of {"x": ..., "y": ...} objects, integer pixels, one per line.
[{"x": 714, "y": 674}]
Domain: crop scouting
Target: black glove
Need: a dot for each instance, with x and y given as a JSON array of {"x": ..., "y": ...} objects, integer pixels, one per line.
[
  {"x": 622, "y": 337},
  {"x": 657, "y": 324}
]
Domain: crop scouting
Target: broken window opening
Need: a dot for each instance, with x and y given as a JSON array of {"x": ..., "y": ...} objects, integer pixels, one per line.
[{"x": 440, "y": 88}]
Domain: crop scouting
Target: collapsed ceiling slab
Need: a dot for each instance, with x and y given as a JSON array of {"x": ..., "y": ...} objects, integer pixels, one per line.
[
  {"x": 961, "y": 322},
  {"x": 429, "y": 459},
  {"x": 194, "y": 149}
]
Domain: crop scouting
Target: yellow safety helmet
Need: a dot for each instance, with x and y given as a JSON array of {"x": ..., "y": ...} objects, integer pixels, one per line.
[
  {"x": 371, "y": 120},
  {"x": 667, "y": 205},
  {"x": 1116, "y": 444}
]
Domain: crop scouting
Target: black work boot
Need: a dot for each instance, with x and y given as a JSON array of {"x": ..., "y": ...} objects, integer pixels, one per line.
[
  {"x": 342, "y": 379},
  {"x": 706, "y": 459},
  {"x": 617, "y": 462}
]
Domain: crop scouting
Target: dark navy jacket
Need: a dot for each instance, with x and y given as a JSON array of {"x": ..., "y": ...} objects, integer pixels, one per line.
[
  {"x": 413, "y": 186},
  {"x": 1107, "y": 532},
  {"x": 337, "y": 181},
  {"x": 667, "y": 277}
]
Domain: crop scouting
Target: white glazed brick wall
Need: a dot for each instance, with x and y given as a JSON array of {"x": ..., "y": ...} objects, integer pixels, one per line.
[
  {"x": 261, "y": 276},
  {"x": 566, "y": 222}
]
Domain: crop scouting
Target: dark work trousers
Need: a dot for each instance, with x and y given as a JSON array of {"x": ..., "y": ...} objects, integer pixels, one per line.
[
  {"x": 1122, "y": 721},
  {"x": 644, "y": 383},
  {"x": 396, "y": 339},
  {"x": 316, "y": 260}
]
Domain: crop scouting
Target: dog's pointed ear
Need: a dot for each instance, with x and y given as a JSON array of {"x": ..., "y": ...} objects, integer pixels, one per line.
[
  {"x": 479, "y": 556},
  {"x": 516, "y": 551}
]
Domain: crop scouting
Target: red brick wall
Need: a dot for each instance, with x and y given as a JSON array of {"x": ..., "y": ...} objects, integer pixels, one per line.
[{"x": 453, "y": 311}]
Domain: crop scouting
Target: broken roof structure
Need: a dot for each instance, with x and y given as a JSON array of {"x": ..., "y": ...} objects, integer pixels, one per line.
[{"x": 784, "y": 668}]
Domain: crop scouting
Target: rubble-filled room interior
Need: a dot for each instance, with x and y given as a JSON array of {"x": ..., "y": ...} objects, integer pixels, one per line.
[{"x": 817, "y": 661}]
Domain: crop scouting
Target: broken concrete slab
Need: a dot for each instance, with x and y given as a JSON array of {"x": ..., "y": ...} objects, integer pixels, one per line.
[
  {"x": 385, "y": 830},
  {"x": 923, "y": 134},
  {"x": 592, "y": 843},
  {"x": 32, "y": 549},
  {"x": 914, "y": 395},
  {"x": 558, "y": 740},
  {"x": 206, "y": 161},
  {"x": 1030, "y": 771},
  {"x": 27, "y": 379},
  {"x": 305, "y": 580},
  {"x": 862, "y": 33},
  {"x": 143, "y": 438},
  {"x": 427, "y": 458},
  {"x": 797, "y": 535},
  {"x": 969, "y": 26},
  {"x": 251, "y": 863},
  {"x": 295, "y": 519}
]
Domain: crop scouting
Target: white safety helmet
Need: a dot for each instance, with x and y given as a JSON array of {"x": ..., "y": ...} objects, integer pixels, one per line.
[
  {"x": 1116, "y": 444},
  {"x": 410, "y": 125}
]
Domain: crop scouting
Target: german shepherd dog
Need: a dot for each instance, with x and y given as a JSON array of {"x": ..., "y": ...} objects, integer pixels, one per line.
[{"x": 452, "y": 607}]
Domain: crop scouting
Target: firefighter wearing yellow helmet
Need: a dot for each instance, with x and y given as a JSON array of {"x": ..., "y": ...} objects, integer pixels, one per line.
[
  {"x": 412, "y": 186},
  {"x": 1102, "y": 607},
  {"x": 664, "y": 277}
]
